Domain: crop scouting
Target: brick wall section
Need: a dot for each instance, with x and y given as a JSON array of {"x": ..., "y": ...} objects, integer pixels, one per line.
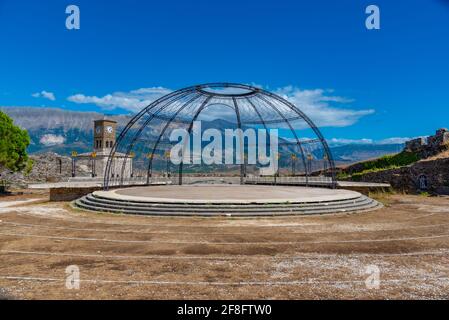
[{"x": 70, "y": 194}]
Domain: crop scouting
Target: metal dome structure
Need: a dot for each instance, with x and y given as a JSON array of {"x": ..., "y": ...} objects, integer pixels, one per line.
[{"x": 304, "y": 157}]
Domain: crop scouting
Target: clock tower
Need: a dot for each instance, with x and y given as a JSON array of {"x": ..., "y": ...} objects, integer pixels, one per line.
[
  {"x": 97, "y": 159},
  {"x": 104, "y": 134}
]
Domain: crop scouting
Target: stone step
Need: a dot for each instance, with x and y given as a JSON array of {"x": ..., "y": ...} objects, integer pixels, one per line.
[
  {"x": 361, "y": 205},
  {"x": 98, "y": 199},
  {"x": 372, "y": 206},
  {"x": 331, "y": 205},
  {"x": 218, "y": 211}
]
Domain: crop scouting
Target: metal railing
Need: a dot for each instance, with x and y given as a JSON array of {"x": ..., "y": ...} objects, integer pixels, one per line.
[{"x": 296, "y": 180}]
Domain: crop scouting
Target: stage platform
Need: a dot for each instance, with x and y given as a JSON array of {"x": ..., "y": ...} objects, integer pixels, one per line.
[{"x": 227, "y": 200}]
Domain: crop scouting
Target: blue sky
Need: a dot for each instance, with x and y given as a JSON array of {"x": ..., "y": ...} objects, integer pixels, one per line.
[{"x": 356, "y": 83}]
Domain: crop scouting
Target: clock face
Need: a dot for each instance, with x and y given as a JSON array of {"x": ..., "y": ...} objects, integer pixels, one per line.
[
  {"x": 109, "y": 129},
  {"x": 98, "y": 130}
]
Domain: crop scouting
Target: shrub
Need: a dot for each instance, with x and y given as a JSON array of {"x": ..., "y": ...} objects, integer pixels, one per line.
[
  {"x": 401, "y": 159},
  {"x": 388, "y": 162},
  {"x": 13, "y": 144}
]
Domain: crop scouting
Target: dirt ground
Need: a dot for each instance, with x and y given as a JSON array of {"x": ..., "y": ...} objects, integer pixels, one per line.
[{"x": 308, "y": 257}]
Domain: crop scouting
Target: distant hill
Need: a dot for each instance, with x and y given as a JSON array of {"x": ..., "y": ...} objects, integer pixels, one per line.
[
  {"x": 351, "y": 153},
  {"x": 61, "y": 131},
  {"x": 58, "y": 130}
]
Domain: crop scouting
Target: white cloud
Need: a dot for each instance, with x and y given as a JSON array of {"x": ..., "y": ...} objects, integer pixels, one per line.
[
  {"x": 133, "y": 100},
  {"x": 51, "y": 140},
  {"x": 396, "y": 140},
  {"x": 316, "y": 104},
  {"x": 342, "y": 141},
  {"x": 393, "y": 140},
  {"x": 44, "y": 94}
]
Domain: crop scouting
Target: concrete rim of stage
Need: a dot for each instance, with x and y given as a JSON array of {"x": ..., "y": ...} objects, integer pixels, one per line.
[
  {"x": 226, "y": 200},
  {"x": 227, "y": 194}
]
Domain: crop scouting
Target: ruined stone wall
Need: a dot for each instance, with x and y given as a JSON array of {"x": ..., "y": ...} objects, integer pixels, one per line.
[
  {"x": 47, "y": 167},
  {"x": 430, "y": 174},
  {"x": 432, "y": 146},
  {"x": 415, "y": 145},
  {"x": 423, "y": 176}
]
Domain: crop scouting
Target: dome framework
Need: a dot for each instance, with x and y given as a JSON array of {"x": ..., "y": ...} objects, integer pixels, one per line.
[{"x": 304, "y": 156}]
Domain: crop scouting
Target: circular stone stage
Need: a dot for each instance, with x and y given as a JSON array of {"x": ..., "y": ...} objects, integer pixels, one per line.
[{"x": 226, "y": 200}]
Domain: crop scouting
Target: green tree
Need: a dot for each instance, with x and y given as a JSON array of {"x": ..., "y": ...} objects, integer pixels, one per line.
[{"x": 13, "y": 144}]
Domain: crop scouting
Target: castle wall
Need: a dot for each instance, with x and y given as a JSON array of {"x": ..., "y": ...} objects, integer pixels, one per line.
[
  {"x": 423, "y": 176},
  {"x": 431, "y": 146}
]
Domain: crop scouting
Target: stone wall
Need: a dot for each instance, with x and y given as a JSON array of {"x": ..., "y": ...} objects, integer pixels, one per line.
[
  {"x": 423, "y": 176},
  {"x": 431, "y": 146},
  {"x": 47, "y": 167},
  {"x": 415, "y": 145}
]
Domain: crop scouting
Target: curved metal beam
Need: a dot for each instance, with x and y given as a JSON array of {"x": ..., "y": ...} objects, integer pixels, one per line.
[
  {"x": 150, "y": 164},
  {"x": 258, "y": 114},
  {"x": 125, "y": 130},
  {"x": 314, "y": 128},
  {"x": 142, "y": 127},
  {"x": 189, "y": 131},
  {"x": 203, "y": 90},
  {"x": 294, "y": 134},
  {"x": 241, "y": 142}
]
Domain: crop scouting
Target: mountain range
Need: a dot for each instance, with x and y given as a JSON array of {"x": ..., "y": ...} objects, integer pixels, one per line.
[{"x": 63, "y": 131}]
